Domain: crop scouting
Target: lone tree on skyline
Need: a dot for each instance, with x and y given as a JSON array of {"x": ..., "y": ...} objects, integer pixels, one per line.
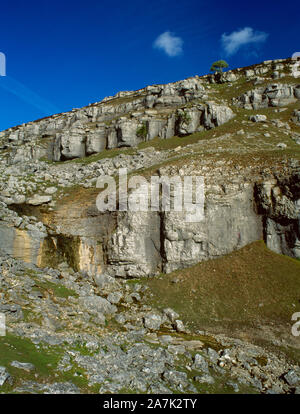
[{"x": 218, "y": 66}]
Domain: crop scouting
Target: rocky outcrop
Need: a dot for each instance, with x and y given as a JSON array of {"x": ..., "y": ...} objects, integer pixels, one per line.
[
  {"x": 21, "y": 237},
  {"x": 114, "y": 122},
  {"x": 139, "y": 244},
  {"x": 279, "y": 202},
  {"x": 131, "y": 117},
  {"x": 229, "y": 224},
  {"x": 277, "y": 68},
  {"x": 64, "y": 263},
  {"x": 296, "y": 116},
  {"x": 276, "y": 95},
  {"x": 81, "y": 137},
  {"x": 147, "y": 243},
  {"x": 238, "y": 209}
]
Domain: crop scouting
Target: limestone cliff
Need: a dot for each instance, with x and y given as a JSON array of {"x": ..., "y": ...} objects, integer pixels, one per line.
[{"x": 239, "y": 130}]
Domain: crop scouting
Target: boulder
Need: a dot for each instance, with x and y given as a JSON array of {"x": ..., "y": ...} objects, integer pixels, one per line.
[
  {"x": 216, "y": 115},
  {"x": 152, "y": 321},
  {"x": 292, "y": 377},
  {"x": 171, "y": 314},
  {"x": 200, "y": 363},
  {"x": 26, "y": 366},
  {"x": 97, "y": 304},
  {"x": 37, "y": 200},
  {"x": 296, "y": 116},
  {"x": 114, "y": 297},
  {"x": 4, "y": 376},
  {"x": 258, "y": 118},
  {"x": 281, "y": 145}
]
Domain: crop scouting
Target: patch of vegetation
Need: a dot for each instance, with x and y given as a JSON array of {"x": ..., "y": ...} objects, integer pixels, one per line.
[
  {"x": 125, "y": 390},
  {"x": 15, "y": 348},
  {"x": 238, "y": 292},
  {"x": 107, "y": 153},
  {"x": 45, "y": 360},
  {"x": 133, "y": 281},
  {"x": 142, "y": 131},
  {"x": 55, "y": 289},
  {"x": 184, "y": 117}
]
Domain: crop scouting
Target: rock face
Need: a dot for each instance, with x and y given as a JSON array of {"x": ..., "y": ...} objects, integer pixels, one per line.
[
  {"x": 139, "y": 244},
  {"x": 241, "y": 204},
  {"x": 23, "y": 243},
  {"x": 282, "y": 214},
  {"x": 124, "y": 120},
  {"x": 132, "y": 117},
  {"x": 145, "y": 243},
  {"x": 64, "y": 263},
  {"x": 83, "y": 135},
  {"x": 229, "y": 224},
  {"x": 275, "y": 95}
]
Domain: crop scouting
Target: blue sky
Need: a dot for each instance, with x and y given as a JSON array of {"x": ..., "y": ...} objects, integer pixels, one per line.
[{"x": 61, "y": 55}]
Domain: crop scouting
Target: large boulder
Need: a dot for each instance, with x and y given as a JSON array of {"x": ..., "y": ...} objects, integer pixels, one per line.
[
  {"x": 216, "y": 115},
  {"x": 188, "y": 120},
  {"x": 258, "y": 118},
  {"x": 37, "y": 200},
  {"x": 153, "y": 321}
]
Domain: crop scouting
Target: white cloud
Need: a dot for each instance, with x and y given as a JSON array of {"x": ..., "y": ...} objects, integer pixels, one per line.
[
  {"x": 170, "y": 44},
  {"x": 246, "y": 36}
]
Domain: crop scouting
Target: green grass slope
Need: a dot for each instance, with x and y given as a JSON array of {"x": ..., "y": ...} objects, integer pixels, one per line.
[{"x": 250, "y": 293}]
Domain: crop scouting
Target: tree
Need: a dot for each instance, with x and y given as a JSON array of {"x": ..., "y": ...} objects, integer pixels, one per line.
[{"x": 218, "y": 66}]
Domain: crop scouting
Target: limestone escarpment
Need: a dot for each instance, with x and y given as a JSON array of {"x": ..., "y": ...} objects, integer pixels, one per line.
[
  {"x": 126, "y": 120},
  {"x": 238, "y": 211},
  {"x": 132, "y": 117},
  {"x": 235, "y": 215},
  {"x": 250, "y": 193},
  {"x": 64, "y": 265}
]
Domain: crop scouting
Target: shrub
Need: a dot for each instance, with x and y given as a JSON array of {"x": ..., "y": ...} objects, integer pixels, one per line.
[
  {"x": 142, "y": 131},
  {"x": 184, "y": 118}
]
